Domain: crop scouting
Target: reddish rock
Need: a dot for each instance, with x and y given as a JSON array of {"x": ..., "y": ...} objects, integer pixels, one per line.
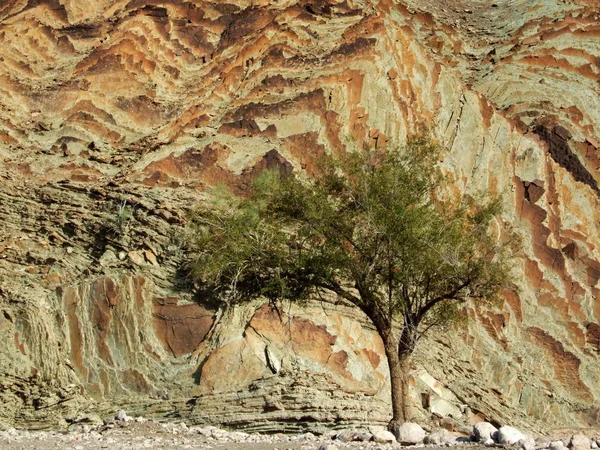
[{"x": 181, "y": 328}]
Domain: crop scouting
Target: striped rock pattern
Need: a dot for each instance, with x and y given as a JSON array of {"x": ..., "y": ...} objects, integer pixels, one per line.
[{"x": 116, "y": 116}]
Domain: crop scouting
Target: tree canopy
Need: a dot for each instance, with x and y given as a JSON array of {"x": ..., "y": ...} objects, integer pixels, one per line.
[{"x": 377, "y": 228}]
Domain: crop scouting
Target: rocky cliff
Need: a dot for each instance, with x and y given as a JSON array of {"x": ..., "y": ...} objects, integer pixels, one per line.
[{"x": 117, "y": 115}]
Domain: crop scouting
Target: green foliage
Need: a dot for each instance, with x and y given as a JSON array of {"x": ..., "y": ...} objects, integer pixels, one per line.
[{"x": 376, "y": 228}]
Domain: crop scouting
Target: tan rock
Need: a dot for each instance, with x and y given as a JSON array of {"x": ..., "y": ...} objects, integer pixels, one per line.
[{"x": 136, "y": 257}]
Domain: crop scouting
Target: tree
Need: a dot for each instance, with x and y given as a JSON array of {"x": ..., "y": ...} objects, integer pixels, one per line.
[{"x": 376, "y": 228}]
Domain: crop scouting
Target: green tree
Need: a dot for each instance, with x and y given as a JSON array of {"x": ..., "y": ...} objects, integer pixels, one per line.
[{"x": 376, "y": 228}]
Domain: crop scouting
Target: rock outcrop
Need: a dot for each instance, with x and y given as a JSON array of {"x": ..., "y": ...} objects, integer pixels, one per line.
[{"x": 117, "y": 116}]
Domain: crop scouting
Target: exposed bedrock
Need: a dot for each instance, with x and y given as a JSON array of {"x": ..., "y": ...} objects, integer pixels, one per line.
[{"x": 115, "y": 118}]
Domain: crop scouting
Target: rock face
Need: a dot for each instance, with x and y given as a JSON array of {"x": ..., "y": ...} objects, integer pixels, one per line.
[{"x": 117, "y": 116}]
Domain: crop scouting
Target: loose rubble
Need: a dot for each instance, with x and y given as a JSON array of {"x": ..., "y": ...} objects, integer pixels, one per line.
[{"x": 126, "y": 432}]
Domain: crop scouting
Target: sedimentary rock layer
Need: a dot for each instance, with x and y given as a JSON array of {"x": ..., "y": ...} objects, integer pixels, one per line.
[{"x": 117, "y": 117}]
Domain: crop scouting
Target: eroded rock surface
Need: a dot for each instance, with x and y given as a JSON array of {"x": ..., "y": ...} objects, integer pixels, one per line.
[{"x": 116, "y": 116}]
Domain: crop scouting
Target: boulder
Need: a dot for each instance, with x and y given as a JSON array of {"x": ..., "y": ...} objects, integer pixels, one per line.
[
  {"x": 409, "y": 433},
  {"x": 438, "y": 437},
  {"x": 483, "y": 431},
  {"x": 580, "y": 441},
  {"x": 509, "y": 436}
]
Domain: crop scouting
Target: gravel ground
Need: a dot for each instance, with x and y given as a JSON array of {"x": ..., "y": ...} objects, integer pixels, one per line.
[
  {"x": 154, "y": 435},
  {"x": 133, "y": 434}
]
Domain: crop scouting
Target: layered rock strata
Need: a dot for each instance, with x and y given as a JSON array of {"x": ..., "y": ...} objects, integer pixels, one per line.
[{"x": 116, "y": 118}]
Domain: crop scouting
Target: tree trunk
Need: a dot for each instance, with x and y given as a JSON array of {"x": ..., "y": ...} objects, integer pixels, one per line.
[{"x": 399, "y": 380}]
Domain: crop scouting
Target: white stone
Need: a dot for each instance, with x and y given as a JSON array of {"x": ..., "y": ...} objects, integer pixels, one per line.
[
  {"x": 594, "y": 444},
  {"x": 580, "y": 441},
  {"x": 383, "y": 437},
  {"x": 409, "y": 433},
  {"x": 509, "y": 436},
  {"x": 483, "y": 431}
]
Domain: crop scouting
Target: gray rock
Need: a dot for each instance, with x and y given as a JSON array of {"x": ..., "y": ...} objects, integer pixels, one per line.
[
  {"x": 580, "y": 441},
  {"x": 509, "y": 436},
  {"x": 527, "y": 443},
  {"x": 90, "y": 419},
  {"x": 328, "y": 447},
  {"x": 556, "y": 445},
  {"x": 308, "y": 436},
  {"x": 594, "y": 444},
  {"x": 122, "y": 416},
  {"x": 383, "y": 437},
  {"x": 438, "y": 437},
  {"x": 107, "y": 258},
  {"x": 484, "y": 431},
  {"x": 354, "y": 436},
  {"x": 409, "y": 433},
  {"x": 543, "y": 442}
]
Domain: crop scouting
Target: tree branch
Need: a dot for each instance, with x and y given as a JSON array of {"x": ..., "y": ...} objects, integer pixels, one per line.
[
  {"x": 448, "y": 296},
  {"x": 335, "y": 287}
]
